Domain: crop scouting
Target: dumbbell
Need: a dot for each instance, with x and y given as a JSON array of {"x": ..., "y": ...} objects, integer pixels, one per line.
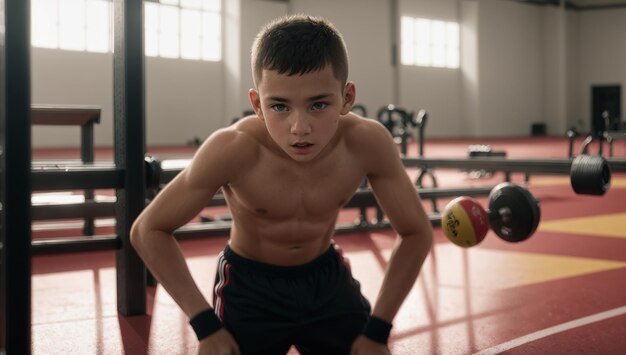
[{"x": 513, "y": 215}]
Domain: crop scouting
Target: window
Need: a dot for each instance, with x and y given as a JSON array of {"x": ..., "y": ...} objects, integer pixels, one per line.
[
  {"x": 81, "y": 25},
  {"x": 190, "y": 29},
  {"x": 429, "y": 43}
]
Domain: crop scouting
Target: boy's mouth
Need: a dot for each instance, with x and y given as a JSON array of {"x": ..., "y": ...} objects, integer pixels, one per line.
[{"x": 301, "y": 145}]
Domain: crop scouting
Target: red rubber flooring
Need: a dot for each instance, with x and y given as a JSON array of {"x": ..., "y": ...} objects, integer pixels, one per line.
[{"x": 561, "y": 292}]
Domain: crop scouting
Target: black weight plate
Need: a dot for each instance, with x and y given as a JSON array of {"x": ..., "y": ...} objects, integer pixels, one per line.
[
  {"x": 518, "y": 211},
  {"x": 590, "y": 175}
]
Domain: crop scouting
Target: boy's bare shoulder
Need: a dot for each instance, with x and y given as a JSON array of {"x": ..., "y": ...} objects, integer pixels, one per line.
[
  {"x": 231, "y": 148},
  {"x": 371, "y": 144},
  {"x": 244, "y": 137},
  {"x": 361, "y": 133}
]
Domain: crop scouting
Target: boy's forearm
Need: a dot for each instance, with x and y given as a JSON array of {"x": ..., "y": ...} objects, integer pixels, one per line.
[
  {"x": 404, "y": 266},
  {"x": 164, "y": 258}
]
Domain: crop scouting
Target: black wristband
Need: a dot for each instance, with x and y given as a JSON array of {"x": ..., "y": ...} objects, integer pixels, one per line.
[
  {"x": 205, "y": 323},
  {"x": 377, "y": 330}
]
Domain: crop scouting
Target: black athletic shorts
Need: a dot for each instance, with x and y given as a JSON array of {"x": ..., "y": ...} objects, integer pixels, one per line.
[{"x": 318, "y": 306}]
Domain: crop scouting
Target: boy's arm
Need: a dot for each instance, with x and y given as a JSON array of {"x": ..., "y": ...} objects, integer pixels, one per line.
[
  {"x": 400, "y": 201},
  {"x": 181, "y": 200}
]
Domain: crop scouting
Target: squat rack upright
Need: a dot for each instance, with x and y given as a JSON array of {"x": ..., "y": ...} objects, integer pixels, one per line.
[
  {"x": 15, "y": 230},
  {"x": 16, "y": 182}
]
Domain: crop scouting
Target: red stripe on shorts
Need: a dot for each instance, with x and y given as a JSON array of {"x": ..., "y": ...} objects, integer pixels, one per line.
[{"x": 220, "y": 290}]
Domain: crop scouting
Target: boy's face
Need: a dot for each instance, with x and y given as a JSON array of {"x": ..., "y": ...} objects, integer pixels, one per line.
[{"x": 301, "y": 112}]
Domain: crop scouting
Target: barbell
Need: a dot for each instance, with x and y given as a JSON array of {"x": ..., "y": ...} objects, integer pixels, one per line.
[
  {"x": 589, "y": 174},
  {"x": 513, "y": 214}
]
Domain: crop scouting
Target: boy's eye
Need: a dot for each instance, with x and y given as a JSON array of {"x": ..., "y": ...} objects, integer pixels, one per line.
[
  {"x": 319, "y": 106},
  {"x": 279, "y": 108}
]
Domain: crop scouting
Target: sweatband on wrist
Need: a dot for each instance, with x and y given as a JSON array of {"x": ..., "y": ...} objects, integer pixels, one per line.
[
  {"x": 377, "y": 330},
  {"x": 205, "y": 323}
]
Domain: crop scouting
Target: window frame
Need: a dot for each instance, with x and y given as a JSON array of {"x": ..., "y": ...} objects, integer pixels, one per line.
[
  {"x": 429, "y": 43},
  {"x": 81, "y": 32}
]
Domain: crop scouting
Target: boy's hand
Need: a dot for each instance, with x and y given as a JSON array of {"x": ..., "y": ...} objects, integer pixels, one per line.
[
  {"x": 364, "y": 346},
  {"x": 219, "y": 343}
]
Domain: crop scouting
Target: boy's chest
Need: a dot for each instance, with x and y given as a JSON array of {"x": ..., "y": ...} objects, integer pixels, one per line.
[{"x": 278, "y": 191}]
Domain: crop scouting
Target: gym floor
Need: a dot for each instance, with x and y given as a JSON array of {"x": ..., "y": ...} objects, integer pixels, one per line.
[{"x": 560, "y": 292}]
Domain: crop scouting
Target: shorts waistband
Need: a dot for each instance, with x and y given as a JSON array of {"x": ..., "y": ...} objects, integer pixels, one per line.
[{"x": 236, "y": 259}]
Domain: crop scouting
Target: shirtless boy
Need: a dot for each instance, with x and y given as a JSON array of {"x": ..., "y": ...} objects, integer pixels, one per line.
[{"x": 286, "y": 172}]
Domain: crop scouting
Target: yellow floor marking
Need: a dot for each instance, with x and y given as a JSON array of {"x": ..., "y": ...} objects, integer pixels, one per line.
[
  {"x": 494, "y": 269},
  {"x": 562, "y": 180},
  {"x": 608, "y": 225}
]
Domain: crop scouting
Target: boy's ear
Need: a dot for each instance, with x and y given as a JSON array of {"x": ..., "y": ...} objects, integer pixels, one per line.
[
  {"x": 349, "y": 95},
  {"x": 255, "y": 102}
]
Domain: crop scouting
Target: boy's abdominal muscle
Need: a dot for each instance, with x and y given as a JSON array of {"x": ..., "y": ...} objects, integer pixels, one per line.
[{"x": 285, "y": 243}]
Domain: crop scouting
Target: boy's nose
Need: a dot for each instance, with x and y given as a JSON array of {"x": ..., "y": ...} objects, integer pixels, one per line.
[{"x": 300, "y": 125}]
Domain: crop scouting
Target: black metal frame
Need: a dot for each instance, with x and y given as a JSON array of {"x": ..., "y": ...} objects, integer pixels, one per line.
[
  {"x": 539, "y": 166},
  {"x": 130, "y": 147},
  {"x": 77, "y": 177},
  {"x": 86, "y": 209},
  {"x": 75, "y": 244},
  {"x": 15, "y": 187},
  {"x": 571, "y": 5},
  {"x": 15, "y": 240}
]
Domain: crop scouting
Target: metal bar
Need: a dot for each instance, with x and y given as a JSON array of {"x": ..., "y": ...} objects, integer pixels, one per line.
[
  {"x": 171, "y": 168},
  {"x": 493, "y": 164},
  {"x": 617, "y": 164},
  {"x": 549, "y": 166},
  {"x": 70, "y": 163},
  {"x": 87, "y": 156},
  {"x": 76, "y": 177},
  {"x": 75, "y": 245},
  {"x": 600, "y": 7},
  {"x": 87, "y": 209},
  {"x": 130, "y": 148},
  {"x": 366, "y": 198},
  {"x": 434, "y": 218},
  {"x": 15, "y": 184}
]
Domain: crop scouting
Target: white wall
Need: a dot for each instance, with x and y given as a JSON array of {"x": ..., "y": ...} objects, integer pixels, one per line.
[
  {"x": 515, "y": 70},
  {"x": 183, "y": 98},
  {"x": 510, "y": 67},
  {"x": 554, "y": 68},
  {"x": 573, "y": 112},
  {"x": 366, "y": 28},
  {"x": 66, "y": 77},
  {"x": 561, "y": 70},
  {"x": 602, "y": 55},
  {"x": 437, "y": 90},
  {"x": 255, "y": 14},
  {"x": 470, "y": 76},
  {"x": 232, "y": 59}
]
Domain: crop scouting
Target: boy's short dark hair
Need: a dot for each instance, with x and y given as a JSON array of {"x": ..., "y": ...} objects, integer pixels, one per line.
[{"x": 299, "y": 44}]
